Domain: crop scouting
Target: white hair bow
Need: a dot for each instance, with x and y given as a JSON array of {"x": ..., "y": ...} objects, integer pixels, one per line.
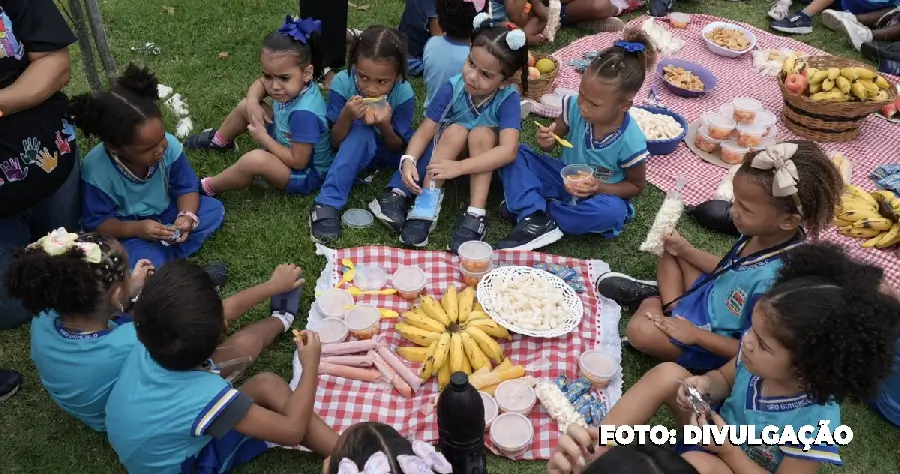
[
  {"x": 778, "y": 158},
  {"x": 377, "y": 464},
  {"x": 425, "y": 461}
]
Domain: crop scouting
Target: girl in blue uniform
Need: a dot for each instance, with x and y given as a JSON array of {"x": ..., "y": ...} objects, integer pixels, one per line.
[
  {"x": 604, "y": 136},
  {"x": 293, "y": 132},
  {"x": 781, "y": 194},
  {"x": 370, "y": 108},
  {"x": 479, "y": 110},
  {"x": 138, "y": 184},
  {"x": 822, "y": 334},
  {"x": 171, "y": 412}
]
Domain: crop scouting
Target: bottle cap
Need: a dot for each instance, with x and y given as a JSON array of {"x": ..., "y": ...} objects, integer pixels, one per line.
[{"x": 459, "y": 380}]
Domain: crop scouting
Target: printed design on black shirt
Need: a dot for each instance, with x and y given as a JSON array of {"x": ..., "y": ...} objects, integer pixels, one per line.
[
  {"x": 13, "y": 170},
  {"x": 30, "y": 148},
  {"x": 33, "y": 154},
  {"x": 10, "y": 47},
  {"x": 64, "y": 136}
]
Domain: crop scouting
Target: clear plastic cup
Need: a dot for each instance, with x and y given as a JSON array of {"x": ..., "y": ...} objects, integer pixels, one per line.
[
  {"x": 598, "y": 368},
  {"x": 330, "y": 330},
  {"x": 773, "y": 132},
  {"x": 370, "y": 276},
  {"x": 377, "y": 107},
  {"x": 750, "y": 135},
  {"x": 766, "y": 119},
  {"x": 732, "y": 153},
  {"x": 745, "y": 109},
  {"x": 409, "y": 282},
  {"x": 765, "y": 143},
  {"x": 512, "y": 434},
  {"x": 515, "y": 396},
  {"x": 490, "y": 408},
  {"x": 475, "y": 255},
  {"x": 334, "y": 303},
  {"x": 576, "y": 172},
  {"x": 720, "y": 127},
  {"x": 704, "y": 142},
  {"x": 726, "y": 110},
  {"x": 704, "y": 119},
  {"x": 473, "y": 278},
  {"x": 679, "y": 20},
  {"x": 364, "y": 321}
]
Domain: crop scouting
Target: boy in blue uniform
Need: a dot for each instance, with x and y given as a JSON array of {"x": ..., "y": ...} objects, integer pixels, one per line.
[
  {"x": 445, "y": 55},
  {"x": 418, "y": 23}
]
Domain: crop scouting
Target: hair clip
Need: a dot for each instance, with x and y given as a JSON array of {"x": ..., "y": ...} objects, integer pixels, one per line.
[
  {"x": 60, "y": 241},
  {"x": 299, "y": 29},
  {"x": 630, "y": 46},
  {"x": 480, "y": 20},
  {"x": 515, "y": 39},
  {"x": 478, "y": 4},
  {"x": 377, "y": 464}
]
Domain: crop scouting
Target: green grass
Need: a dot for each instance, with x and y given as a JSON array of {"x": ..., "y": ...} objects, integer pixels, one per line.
[{"x": 264, "y": 227}]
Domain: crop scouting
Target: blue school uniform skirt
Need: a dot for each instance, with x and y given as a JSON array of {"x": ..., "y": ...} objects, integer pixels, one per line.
[
  {"x": 222, "y": 454},
  {"x": 695, "y": 308}
]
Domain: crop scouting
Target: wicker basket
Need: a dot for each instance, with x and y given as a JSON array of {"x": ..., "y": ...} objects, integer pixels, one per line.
[
  {"x": 543, "y": 85},
  {"x": 826, "y": 121}
]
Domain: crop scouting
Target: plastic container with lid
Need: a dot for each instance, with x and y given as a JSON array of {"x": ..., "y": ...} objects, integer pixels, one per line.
[
  {"x": 726, "y": 109},
  {"x": 773, "y": 132},
  {"x": 766, "y": 119},
  {"x": 473, "y": 278},
  {"x": 704, "y": 119},
  {"x": 357, "y": 218},
  {"x": 750, "y": 135},
  {"x": 370, "y": 276},
  {"x": 552, "y": 100},
  {"x": 704, "y": 142},
  {"x": 512, "y": 434},
  {"x": 720, "y": 127},
  {"x": 491, "y": 410},
  {"x": 598, "y": 368},
  {"x": 679, "y": 20},
  {"x": 364, "y": 321},
  {"x": 745, "y": 109},
  {"x": 732, "y": 153},
  {"x": 409, "y": 282},
  {"x": 334, "y": 303},
  {"x": 475, "y": 256},
  {"x": 330, "y": 330},
  {"x": 765, "y": 143},
  {"x": 515, "y": 396}
]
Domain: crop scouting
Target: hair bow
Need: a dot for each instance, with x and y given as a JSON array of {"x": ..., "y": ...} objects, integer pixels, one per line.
[
  {"x": 515, "y": 39},
  {"x": 60, "y": 241},
  {"x": 299, "y": 28},
  {"x": 630, "y": 46},
  {"x": 778, "y": 158},
  {"x": 426, "y": 460},
  {"x": 480, "y": 19},
  {"x": 377, "y": 464},
  {"x": 478, "y": 4}
]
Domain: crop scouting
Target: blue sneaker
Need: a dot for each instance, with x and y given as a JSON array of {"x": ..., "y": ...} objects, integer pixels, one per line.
[
  {"x": 10, "y": 381},
  {"x": 890, "y": 66},
  {"x": 797, "y": 24}
]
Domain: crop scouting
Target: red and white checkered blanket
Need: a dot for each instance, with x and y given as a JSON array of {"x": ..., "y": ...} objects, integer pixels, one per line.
[
  {"x": 343, "y": 403},
  {"x": 877, "y": 144}
]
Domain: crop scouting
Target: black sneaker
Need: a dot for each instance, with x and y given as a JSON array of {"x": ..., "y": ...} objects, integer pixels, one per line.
[
  {"x": 10, "y": 381},
  {"x": 533, "y": 232},
  {"x": 471, "y": 227},
  {"x": 218, "y": 271},
  {"x": 506, "y": 214},
  {"x": 797, "y": 24},
  {"x": 878, "y": 50},
  {"x": 415, "y": 232},
  {"x": 287, "y": 303},
  {"x": 660, "y": 8},
  {"x": 324, "y": 224},
  {"x": 391, "y": 209},
  {"x": 625, "y": 290},
  {"x": 204, "y": 141}
]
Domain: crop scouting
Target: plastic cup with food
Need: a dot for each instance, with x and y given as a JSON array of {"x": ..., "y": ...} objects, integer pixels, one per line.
[
  {"x": 475, "y": 255},
  {"x": 704, "y": 119},
  {"x": 364, "y": 321},
  {"x": 409, "y": 282},
  {"x": 512, "y": 434},
  {"x": 598, "y": 368},
  {"x": 766, "y": 119},
  {"x": 704, "y": 142},
  {"x": 575, "y": 173},
  {"x": 330, "y": 330},
  {"x": 727, "y": 109},
  {"x": 473, "y": 278},
  {"x": 334, "y": 303},
  {"x": 376, "y": 108},
  {"x": 490, "y": 408},
  {"x": 679, "y": 20},
  {"x": 732, "y": 153},
  {"x": 765, "y": 143},
  {"x": 720, "y": 127},
  {"x": 750, "y": 135},
  {"x": 745, "y": 109},
  {"x": 515, "y": 396},
  {"x": 370, "y": 276}
]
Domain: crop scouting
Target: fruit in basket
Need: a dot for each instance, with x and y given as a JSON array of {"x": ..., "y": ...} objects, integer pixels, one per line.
[
  {"x": 531, "y": 60},
  {"x": 818, "y": 77},
  {"x": 795, "y": 83},
  {"x": 827, "y": 85},
  {"x": 890, "y": 110},
  {"x": 533, "y": 73},
  {"x": 843, "y": 84},
  {"x": 835, "y": 84},
  {"x": 882, "y": 82},
  {"x": 870, "y": 216},
  {"x": 545, "y": 65}
]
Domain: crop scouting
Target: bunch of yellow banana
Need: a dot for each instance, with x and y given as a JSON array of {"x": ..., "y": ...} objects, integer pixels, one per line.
[
  {"x": 453, "y": 335},
  {"x": 846, "y": 84},
  {"x": 870, "y": 216}
]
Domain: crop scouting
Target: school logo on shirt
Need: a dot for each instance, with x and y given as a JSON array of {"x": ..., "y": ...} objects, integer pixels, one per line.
[
  {"x": 10, "y": 47},
  {"x": 767, "y": 457},
  {"x": 735, "y": 301},
  {"x": 602, "y": 174}
]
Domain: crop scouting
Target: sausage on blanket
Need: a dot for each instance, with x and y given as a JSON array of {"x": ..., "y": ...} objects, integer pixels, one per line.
[
  {"x": 352, "y": 347},
  {"x": 389, "y": 373},
  {"x": 402, "y": 370},
  {"x": 353, "y": 373},
  {"x": 349, "y": 360}
]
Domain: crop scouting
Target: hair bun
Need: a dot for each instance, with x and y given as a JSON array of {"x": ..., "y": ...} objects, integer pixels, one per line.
[
  {"x": 140, "y": 81},
  {"x": 85, "y": 113}
]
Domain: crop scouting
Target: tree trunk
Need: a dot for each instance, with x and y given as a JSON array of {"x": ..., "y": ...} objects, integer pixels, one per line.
[
  {"x": 84, "y": 43},
  {"x": 101, "y": 40}
]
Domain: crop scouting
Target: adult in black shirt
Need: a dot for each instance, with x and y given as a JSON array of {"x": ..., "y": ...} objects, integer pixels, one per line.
[{"x": 333, "y": 15}]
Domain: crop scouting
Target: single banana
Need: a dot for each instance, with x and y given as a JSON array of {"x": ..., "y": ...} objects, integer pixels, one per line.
[
  {"x": 491, "y": 328},
  {"x": 434, "y": 311},
  {"x": 815, "y": 88},
  {"x": 466, "y": 300},
  {"x": 416, "y": 318},
  {"x": 850, "y": 73},
  {"x": 427, "y": 369},
  {"x": 865, "y": 73},
  {"x": 835, "y": 95},
  {"x": 477, "y": 307},
  {"x": 477, "y": 314},
  {"x": 873, "y": 242},
  {"x": 820, "y": 96},
  {"x": 861, "y": 193},
  {"x": 882, "y": 82},
  {"x": 827, "y": 84},
  {"x": 880, "y": 223},
  {"x": 883, "y": 195},
  {"x": 889, "y": 238},
  {"x": 811, "y": 71},
  {"x": 861, "y": 233},
  {"x": 853, "y": 216},
  {"x": 444, "y": 376},
  {"x": 413, "y": 354},
  {"x": 834, "y": 73},
  {"x": 443, "y": 349},
  {"x": 488, "y": 345},
  {"x": 843, "y": 84},
  {"x": 870, "y": 86},
  {"x": 417, "y": 336},
  {"x": 467, "y": 367},
  {"x": 474, "y": 353},
  {"x": 450, "y": 304},
  {"x": 788, "y": 66},
  {"x": 853, "y": 203},
  {"x": 457, "y": 353},
  {"x": 819, "y": 77},
  {"x": 859, "y": 91},
  {"x": 841, "y": 223}
]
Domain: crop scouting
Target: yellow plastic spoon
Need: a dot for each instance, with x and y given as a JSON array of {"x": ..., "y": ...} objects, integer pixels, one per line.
[
  {"x": 357, "y": 291},
  {"x": 562, "y": 141},
  {"x": 385, "y": 313},
  {"x": 349, "y": 274}
]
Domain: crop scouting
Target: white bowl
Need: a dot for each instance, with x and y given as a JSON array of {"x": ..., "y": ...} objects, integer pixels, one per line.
[{"x": 723, "y": 51}]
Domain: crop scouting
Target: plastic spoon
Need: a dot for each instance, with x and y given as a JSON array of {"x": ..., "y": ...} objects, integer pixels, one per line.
[
  {"x": 562, "y": 141},
  {"x": 385, "y": 313},
  {"x": 349, "y": 273}
]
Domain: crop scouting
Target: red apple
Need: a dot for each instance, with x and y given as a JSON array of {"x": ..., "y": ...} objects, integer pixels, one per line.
[{"x": 795, "y": 83}]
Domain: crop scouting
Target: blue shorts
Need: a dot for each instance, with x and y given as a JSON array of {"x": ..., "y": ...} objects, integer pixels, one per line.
[
  {"x": 695, "y": 308},
  {"x": 873, "y": 404},
  {"x": 303, "y": 182},
  {"x": 222, "y": 454}
]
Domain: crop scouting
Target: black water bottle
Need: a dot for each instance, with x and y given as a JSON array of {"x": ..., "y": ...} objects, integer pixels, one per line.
[{"x": 460, "y": 416}]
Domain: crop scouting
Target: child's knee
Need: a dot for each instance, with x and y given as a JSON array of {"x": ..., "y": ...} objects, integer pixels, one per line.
[
  {"x": 481, "y": 139},
  {"x": 254, "y": 161},
  {"x": 668, "y": 371},
  {"x": 264, "y": 380},
  {"x": 642, "y": 332}
]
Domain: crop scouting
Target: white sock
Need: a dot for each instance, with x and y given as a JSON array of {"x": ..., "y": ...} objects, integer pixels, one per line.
[
  {"x": 476, "y": 211},
  {"x": 286, "y": 318}
]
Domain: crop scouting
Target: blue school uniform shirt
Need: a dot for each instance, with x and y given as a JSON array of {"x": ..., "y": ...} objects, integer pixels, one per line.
[
  {"x": 303, "y": 119},
  {"x": 453, "y": 105},
  {"x": 414, "y": 24},
  {"x": 747, "y": 406},
  {"x": 159, "y": 420},
  {"x": 109, "y": 191},
  {"x": 888, "y": 399},
  {"x": 443, "y": 58},
  {"x": 401, "y": 99},
  {"x": 79, "y": 369},
  {"x": 610, "y": 156}
]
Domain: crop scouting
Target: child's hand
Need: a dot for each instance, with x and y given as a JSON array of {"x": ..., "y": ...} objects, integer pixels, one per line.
[
  {"x": 152, "y": 230},
  {"x": 285, "y": 277},
  {"x": 710, "y": 419},
  {"x": 676, "y": 245},
  {"x": 309, "y": 349},
  {"x": 185, "y": 224},
  {"x": 574, "y": 451},
  {"x": 545, "y": 136},
  {"x": 700, "y": 382},
  {"x": 583, "y": 188},
  {"x": 356, "y": 107},
  {"x": 446, "y": 169},
  {"x": 257, "y": 130},
  {"x": 677, "y": 328},
  {"x": 142, "y": 269},
  {"x": 383, "y": 116},
  {"x": 411, "y": 176},
  {"x": 256, "y": 113}
]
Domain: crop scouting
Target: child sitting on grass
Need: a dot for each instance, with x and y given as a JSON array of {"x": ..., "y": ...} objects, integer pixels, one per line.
[
  {"x": 373, "y": 447},
  {"x": 887, "y": 402},
  {"x": 703, "y": 302},
  {"x": 418, "y": 23},
  {"x": 138, "y": 184},
  {"x": 822, "y": 334},
  {"x": 171, "y": 412},
  {"x": 529, "y": 15},
  {"x": 445, "y": 55},
  {"x": 604, "y": 136},
  {"x": 293, "y": 132}
]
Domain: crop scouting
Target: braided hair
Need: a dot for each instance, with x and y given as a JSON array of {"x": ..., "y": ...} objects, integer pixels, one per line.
[{"x": 627, "y": 68}]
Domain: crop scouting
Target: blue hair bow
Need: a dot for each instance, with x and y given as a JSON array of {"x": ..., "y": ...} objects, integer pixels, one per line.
[
  {"x": 299, "y": 28},
  {"x": 630, "y": 46}
]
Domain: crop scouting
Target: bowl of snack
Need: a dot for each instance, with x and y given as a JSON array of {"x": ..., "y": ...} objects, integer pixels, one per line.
[
  {"x": 727, "y": 39},
  {"x": 684, "y": 78}
]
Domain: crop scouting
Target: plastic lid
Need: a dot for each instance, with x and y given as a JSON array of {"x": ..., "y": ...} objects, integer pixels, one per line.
[
  {"x": 552, "y": 100},
  {"x": 562, "y": 91},
  {"x": 333, "y": 303},
  {"x": 512, "y": 431},
  {"x": 752, "y": 129},
  {"x": 475, "y": 250},
  {"x": 722, "y": 121},
  {"x": 459, "y": 381},
  {"x": 765, "y": 143},
  {"x": 330, "y": 330},
  {"x": 467, "y": 273},
  {"x": 598, "y": 364},
  {"x": 765, "y": 118},
  {"x": 704, "y": 132},
  {"x": 358, "y": 218},
  {"x": 409, "y": 279},
  {"x": 734, "y": 146},
  {"x": 727, "y": 109},
  {"x": 362, "y": 317},
  {"x": 746, "y": 103},
  {"x": 515, "y": 395},
  {"x": 370, "y": 276}
]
